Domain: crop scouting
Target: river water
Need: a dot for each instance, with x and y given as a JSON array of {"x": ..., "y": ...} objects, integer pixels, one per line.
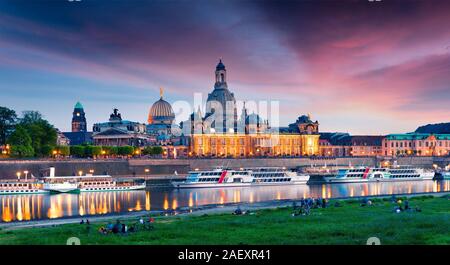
[{"x": 45, "y": 206}]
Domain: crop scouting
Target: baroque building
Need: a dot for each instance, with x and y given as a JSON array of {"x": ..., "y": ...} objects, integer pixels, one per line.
[
  {"x": 221, "y": 138},
  {"x": 161, "y": 119}
]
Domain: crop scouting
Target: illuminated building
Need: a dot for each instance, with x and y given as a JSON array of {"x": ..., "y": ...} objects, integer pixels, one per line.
[
  {"x": 343, "y": 144},
  {"x": 254, "y": 137},
  {"x": 118, "y": 132},
  {"x": 416, "y": 144}
]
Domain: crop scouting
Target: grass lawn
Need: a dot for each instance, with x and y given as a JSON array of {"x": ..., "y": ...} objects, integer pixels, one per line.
[{"x": 349, "y": 224}]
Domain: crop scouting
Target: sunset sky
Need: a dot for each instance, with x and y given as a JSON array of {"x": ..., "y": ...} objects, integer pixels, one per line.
[{"x": 356, "y": 66}]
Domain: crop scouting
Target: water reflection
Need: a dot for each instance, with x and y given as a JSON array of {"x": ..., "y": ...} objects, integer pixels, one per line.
[{"x": 42, "y": 206}]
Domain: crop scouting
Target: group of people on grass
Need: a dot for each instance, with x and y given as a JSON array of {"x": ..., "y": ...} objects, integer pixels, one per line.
[
  {"x": 403, "y": 206},
  {"x": 122, "y": 228},
  {"x": 306, "y": 204}
]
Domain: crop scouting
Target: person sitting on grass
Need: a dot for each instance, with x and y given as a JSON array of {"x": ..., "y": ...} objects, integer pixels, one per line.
[
  {"x": 123, "y": 229},
  {"x": 102, "y": 230},
  {"x": 116, "y": 228},
  {"x": 407, "y": 205},
  {"x": 109, "y": 227},
  {"x": 324, "y": 203},
  {"x": 238, "y": 211},
  {"x": 82, "y": 222},
  {"x": 364, "y": 201}
]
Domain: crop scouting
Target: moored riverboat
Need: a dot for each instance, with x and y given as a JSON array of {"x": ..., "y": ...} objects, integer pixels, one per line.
[
  {"x": 221, "y": 177},
  {"x": 367, "y": 174},
  {"x": 11, "y": 187}
]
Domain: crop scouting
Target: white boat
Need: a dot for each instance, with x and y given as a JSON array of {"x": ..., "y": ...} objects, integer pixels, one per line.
[
  {"x": 367, "y": 174},
  {"x": 20, "y": 187},
  {"x": 219, "y": 178},
  {"x": 89, "y": 183}
]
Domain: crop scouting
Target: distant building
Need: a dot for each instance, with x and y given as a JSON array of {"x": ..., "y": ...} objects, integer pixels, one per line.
[
  {"x": 61, "y": 139},
  {"x": 416, "y": 144},
  {"x": 118, "y": 132},
  {"x": 161, "y": 122},
  {"x": 79, "y": 134},
  {"x": 79, "y": 119},
  {"x": 343, "y": 144}
]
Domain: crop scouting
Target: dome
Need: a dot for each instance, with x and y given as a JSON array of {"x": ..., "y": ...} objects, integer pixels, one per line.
[
  {"x": 253, "y": 119},
  {"x": 220, "y": 66},
  {"x": 161, "y": 111}
]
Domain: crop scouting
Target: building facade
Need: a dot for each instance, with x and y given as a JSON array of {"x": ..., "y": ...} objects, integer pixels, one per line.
[
  {"x": 255, "y": 139},
  {"x": 248, "y": 145},
  {"x": 416, "y": 144},
  {"x": 343, "y": 144},
  {"x": 119, "y": 132}
]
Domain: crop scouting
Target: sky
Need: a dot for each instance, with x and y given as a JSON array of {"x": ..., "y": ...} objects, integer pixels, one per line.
[{"x": 356, "y": 66}]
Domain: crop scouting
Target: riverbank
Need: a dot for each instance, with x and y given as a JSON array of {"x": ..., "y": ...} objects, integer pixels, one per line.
[{"x": 268, "y": 223}]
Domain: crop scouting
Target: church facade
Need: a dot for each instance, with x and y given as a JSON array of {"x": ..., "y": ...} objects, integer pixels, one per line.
[{"x": 220, "y": 134}]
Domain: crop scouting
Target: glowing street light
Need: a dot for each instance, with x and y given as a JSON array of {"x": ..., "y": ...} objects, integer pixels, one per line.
[
  {"x": 26, "y": 175},
  {"x": 80, "y": 172},
  {"x": 18, "y": 175},
  {"x": 146, "y": 170}
]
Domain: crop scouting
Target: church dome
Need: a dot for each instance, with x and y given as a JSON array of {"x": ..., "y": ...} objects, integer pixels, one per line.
[
  {"x": 161, "y": 111},
  {"x": 220, "y": 66}
]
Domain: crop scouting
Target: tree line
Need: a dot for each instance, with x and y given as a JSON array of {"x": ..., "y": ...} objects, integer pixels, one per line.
[{"x": 32, "y": 136}]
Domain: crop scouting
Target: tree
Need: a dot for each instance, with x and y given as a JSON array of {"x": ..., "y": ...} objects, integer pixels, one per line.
[
  {"x": 63, "y": 150},
  {"x": 109, "y": 150},
  {"x": 125, "y": 150},
  {"x": 77, "y": 150},
  {"x": 157, "y": 150},
  {"x": 92, "y": 150},
  {"x": 8, "y": 119},
  {"x": 43, "y": 134},
  {"x": 147, "y": 150},
  {"x": 20, "y": 142}
]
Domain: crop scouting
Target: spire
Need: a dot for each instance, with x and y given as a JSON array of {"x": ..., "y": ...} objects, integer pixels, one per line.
[{"x": 161, "y": 92}]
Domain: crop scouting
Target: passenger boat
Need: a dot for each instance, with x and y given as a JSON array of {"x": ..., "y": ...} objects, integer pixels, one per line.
[
  {"x": 220, "y": 177},
  {"x": 367, "y": 174},
  {"x": 11, "y": 187},
  {"x": 107, "y": 183},
  {"x": 60, "y": 184},
  {"x": 88, "y": 183}
]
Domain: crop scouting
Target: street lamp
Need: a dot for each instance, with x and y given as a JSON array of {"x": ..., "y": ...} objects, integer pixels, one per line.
[
  {"x": 26, "y": 175},
  {"x": 18, "y": 175},
  {"x": 80, "y": 172}
]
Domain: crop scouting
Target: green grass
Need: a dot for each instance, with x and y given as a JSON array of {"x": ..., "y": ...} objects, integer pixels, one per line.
[{"x": 349, "y": 224}]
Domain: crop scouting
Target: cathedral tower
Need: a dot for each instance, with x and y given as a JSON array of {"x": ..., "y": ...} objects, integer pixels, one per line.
[{"x": 221, "y": 98}]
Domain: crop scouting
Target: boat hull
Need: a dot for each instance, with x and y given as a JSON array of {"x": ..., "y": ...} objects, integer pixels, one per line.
[
  {"x": 183, "y": 185},
  {"x": 19, "y": 192},
  {"x": 99, "y": 189}
]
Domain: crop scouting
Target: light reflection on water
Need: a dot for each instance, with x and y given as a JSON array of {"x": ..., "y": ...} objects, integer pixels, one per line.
[{"x": 43, "y": 206}]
